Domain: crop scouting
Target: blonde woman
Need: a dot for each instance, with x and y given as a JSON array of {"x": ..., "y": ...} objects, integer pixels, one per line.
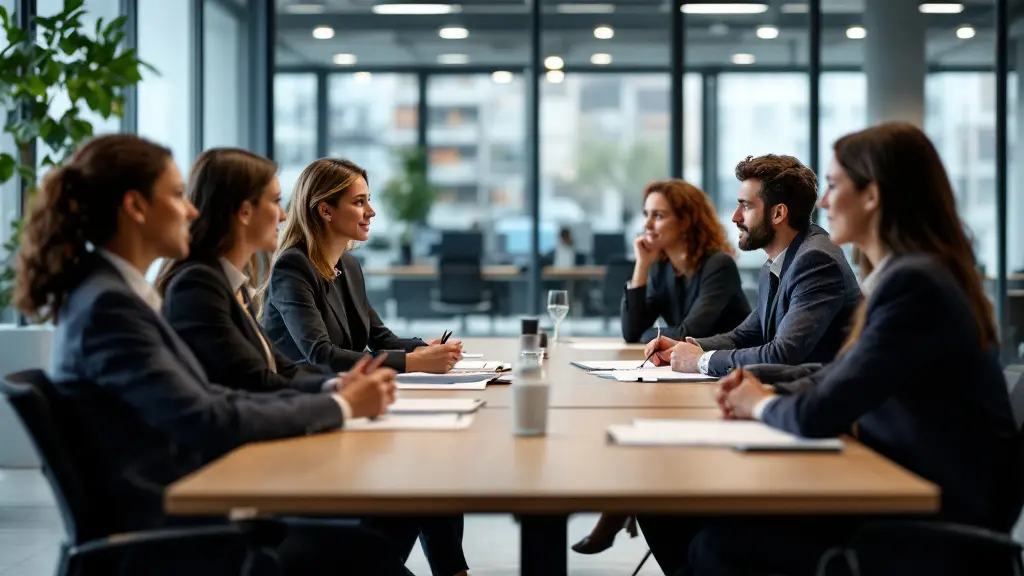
[{"x": 316, "y": 308}]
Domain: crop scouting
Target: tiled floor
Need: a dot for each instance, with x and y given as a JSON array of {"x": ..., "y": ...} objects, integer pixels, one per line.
[{"x": 31, "y": 531}]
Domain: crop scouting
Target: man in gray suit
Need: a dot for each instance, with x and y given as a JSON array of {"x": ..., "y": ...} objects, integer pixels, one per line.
[{"x": 807, "y": 292}]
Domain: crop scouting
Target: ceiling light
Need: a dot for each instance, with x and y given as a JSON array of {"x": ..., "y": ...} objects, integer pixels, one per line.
[
  {"x": 323, "y": 32},
  {"x": 941, "y": 8},
  {"x": 363, "y": 77},
  {"x": 965, "y": 32},
  {"x": 767, "y": 32},
  {"x": 601, "y": 59},
  {"x": 856, "y": 32},
  {"x": 604, "y": 32},
  {"x": 419, "y": 9},
  {"x": 344, "y": 59},
  {"x": 743, "y": 59},
  {"x": 585, "y": 8},
  {"x": 555, "y": 76},
  {"x": 722, "y": 8},
  {"x": 501, "y": 77},
  {"x": 554, "y": 63},
  {"x": 305, "y": 9},
  {"x": 718, "y": 29},
  {"x": 795, "y": 8},
  {"x": 453, "y": 33},
  {"x": 453, "y": 59}
]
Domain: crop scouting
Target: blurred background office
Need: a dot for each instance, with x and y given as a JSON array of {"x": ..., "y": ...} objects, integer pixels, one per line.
[{"x": 487, "y": 167}]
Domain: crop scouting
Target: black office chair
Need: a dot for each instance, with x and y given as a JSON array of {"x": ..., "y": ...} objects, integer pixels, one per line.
[
  {"x": 618, "y": 271},
  {"x": 461, "y": 290},
  {"x": 66, "y": 466}
]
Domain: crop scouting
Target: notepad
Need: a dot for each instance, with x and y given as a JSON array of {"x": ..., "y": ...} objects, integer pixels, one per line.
[
  {"x": 449, "y": 378},
  {"x": 604, "y": 346},
  {"x": 738, "y": 434},
  {"x": 602, "y": 365},
  {"x": 411, "y": 422},
  {"x": 477, "y": 382},
  {"x": 481, "y": 366},
  {"x": 657, "y": 374},
  {"x": 435, "y": 406},
  {"x": 467, "y": 356}
]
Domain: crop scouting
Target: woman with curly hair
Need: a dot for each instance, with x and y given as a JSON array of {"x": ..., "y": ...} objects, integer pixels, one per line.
[{"x": 684, "y": 272}]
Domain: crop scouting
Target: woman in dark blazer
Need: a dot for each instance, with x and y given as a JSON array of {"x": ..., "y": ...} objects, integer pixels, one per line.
[
  {"x": 684, "y": 272},
  {"x": 207, "y": 300},
  {"x": 316, "y": 309},
  {"x": 919, "y": 380}
]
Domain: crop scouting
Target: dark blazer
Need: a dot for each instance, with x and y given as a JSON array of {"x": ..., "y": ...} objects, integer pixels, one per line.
[
  {"x": 817, "y": 296},
  {"x": 924, "y": 393},
  {"x": 305, "y": 317},
  {"x": 144, "y": 403},
  {"x": 201, "y": 307},
  {"x": 714, "y": 302}
]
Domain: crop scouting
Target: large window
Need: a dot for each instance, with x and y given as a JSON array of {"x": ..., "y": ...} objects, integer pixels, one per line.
[
  {"x": 295, "y": 126},
  {"x": 227, "y": 95}
]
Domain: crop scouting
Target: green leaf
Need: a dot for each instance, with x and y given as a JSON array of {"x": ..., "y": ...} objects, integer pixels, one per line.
[
  {"x": 117, "y": 24},
  {"x": 35, "y": 85},
  {"x": 27, "y": 173},
  {"x": 7, "y": 164},
  {"x": 72, "y": 5},
  {"x": 4, "y": 18}
]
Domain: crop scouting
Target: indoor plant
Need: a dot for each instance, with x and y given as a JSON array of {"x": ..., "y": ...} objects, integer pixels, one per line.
[{"x": 409, "y": 196}]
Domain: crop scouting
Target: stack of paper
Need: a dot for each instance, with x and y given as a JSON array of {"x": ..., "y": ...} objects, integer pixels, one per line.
[
  {"x": 739, "y": 434},
  {"x": 450, "y": 381},
  {"x": 435, "y": 406},
  {"x": 481, "y": 366},
  {"x": 605, "y": 346},
  {"x": 412, "y": 422},
  {"x": 657, "y": 374},
  {"x": 608, "y": 365}
]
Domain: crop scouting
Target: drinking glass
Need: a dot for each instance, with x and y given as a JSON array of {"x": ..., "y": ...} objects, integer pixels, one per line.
[{"x": 558, "y": 308}]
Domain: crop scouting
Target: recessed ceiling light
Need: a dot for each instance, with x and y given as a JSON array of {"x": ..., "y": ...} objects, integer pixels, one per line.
[
  {"x": 344, "y": 59},
  {"x": 323, "y": 32},
  {"x": 555, "y": 76},
  {"x": 554, "y": 63},
  {"x": 453, "y": 59},
  {"x": 767, "y": 32},
  {"x": 305, "y": 8},
  {"x": 501, "y": 77},
  {"x": 743, "y": 59},
  {"x": 601, "y": 59},
  {"x": 965, "y": 32},
  {"x": 856, "y": 32},
  {"x": 795, "y": 8},
  {"x": 453, "y": 33},
  {"x": 416, "y": 9},
  {"x": 941, "y": 8},
  {"x": 585, "y": 8},
  {"x": 722, "y": 8},
  {"x": 604, "y": 32},
  {"x": 363, "y": 77}
]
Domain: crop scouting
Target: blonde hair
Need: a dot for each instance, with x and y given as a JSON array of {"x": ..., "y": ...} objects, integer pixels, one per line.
[{"x": 325, "y": 180}]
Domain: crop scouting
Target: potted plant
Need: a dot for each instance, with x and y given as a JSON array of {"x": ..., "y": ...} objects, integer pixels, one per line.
[
  {"x": 88, "y": 68},
  {"x": 409, "y": 197}
]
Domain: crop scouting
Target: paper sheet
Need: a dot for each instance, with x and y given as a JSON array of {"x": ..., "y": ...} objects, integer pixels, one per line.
[
  {"x": 472, "y": 385},
  {"x": 481, "y": 366},
  {"x": 657, "y": 374},
  {"x": 604, "y": 346},
  {"x": 412, "y": 422},
  {"x": 729, "y": 433},
  {"x": 467, "y": 356},
  {"x": 435, "y": 406},
  {"x": 449, "y": 378},
  {"x": 598, "y": 365}
]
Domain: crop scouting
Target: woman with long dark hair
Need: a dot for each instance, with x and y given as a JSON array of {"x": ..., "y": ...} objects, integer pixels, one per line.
[
  {"x": 140, "y": 404},
  {"x": 918, "y": 381}
]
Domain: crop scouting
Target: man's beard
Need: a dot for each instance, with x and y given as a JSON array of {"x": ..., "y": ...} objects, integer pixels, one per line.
[{"x": 757, "y": 237}]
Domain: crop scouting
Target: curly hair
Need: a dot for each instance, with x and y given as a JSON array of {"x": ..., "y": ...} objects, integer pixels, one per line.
[
  {"x": 77, "y": 205},
  {"x": 784, "y": 180},
  {"x": 703, "y": 233}
]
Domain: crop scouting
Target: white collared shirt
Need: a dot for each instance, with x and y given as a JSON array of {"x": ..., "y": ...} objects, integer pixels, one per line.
[
  {"x": 135, "y": 279},
  {"x": 868, "y": 284},
  {"x": 236, "y": 278}
]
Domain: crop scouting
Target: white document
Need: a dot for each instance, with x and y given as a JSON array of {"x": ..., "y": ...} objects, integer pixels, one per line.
[
  {"x": 604, "y": 346},
  {"x": 476, "y": 384},
  {"x": 658, "y": 374},
  {"x": 449, "y": 378},
  {"x": 481, "y": 366},
  {"x": 606, "y": 365},
  {"x": 435, "y": 406},
  {"x": 740, "y": 434},
  {"x": 466, "y": 356},
  {"x": 411, "y": 422}
]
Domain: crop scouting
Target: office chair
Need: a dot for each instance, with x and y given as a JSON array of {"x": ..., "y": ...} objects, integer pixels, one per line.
[
  {"x": 618, "y": 271},
  {"x": 66, "y": 466},
  {"x": 461, "y": 290}
]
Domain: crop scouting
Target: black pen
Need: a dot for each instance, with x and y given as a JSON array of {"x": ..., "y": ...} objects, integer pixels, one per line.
[
  {"x": 446, "y": 336},
  {"x": 648, "y": 359}
]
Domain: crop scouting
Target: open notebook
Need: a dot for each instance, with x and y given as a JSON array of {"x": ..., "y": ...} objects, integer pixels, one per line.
[
  {"x": 739, "y": 434},
  {"x": 656, "y": 374},
  {"x": 449, "y": 381}
]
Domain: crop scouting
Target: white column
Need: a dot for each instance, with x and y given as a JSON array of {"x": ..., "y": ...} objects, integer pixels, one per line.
[{"x": 894, "y": 61}]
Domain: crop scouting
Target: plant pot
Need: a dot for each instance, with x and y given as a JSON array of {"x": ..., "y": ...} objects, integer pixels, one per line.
[
  {"x": 21, "y": 348},
  {"x": 406, "y": 254}
]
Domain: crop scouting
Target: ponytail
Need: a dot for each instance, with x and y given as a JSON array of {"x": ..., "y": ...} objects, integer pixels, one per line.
[{"x": 78, "y": 205}]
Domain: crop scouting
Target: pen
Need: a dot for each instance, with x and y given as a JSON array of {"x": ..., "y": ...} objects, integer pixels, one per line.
[
  {"x": 649, "y": 356},
  {"x": 444, "y": 337}
]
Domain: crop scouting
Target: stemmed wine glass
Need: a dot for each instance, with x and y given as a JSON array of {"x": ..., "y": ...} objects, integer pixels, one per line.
[{"x": 558, "y": 308}]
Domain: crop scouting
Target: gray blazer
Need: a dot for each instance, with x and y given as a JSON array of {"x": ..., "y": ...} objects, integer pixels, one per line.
[
  {"x": 144, "y": 404},
  {"x": 817, "y": 296}
]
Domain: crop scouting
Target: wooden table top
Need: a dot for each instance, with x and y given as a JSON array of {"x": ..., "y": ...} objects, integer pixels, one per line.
[
  {"x": 573, "y": 469},
  {"x": 574, "y": 388}
]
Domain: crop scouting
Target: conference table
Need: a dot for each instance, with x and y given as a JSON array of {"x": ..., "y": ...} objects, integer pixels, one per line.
[{"x": 543, "y": 480}]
